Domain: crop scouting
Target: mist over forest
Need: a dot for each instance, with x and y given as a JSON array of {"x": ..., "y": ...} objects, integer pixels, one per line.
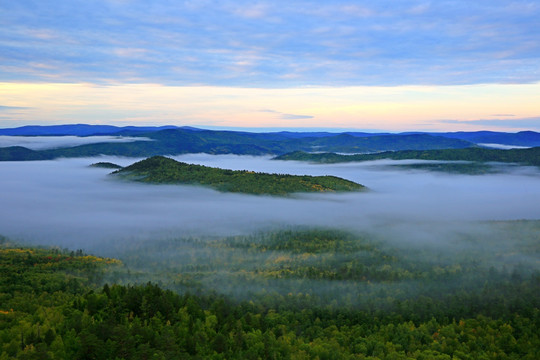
[
  {"x": 67, "y": 203},
  {"x": 245, "y": 180},
  {"x": 54, "y": 142},
  {"x": 416, "y": 245}
]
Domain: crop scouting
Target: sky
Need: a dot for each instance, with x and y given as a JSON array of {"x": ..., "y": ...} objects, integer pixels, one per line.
[{"x": 364, "y": 65}]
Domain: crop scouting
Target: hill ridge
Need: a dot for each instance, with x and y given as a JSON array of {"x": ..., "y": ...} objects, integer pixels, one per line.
[{"x": 163, "y": 170}]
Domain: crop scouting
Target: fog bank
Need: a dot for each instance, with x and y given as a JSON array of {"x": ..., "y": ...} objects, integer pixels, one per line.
[
  {"x": 53, "y": 142},
  {"x": 64, "y": 202}
]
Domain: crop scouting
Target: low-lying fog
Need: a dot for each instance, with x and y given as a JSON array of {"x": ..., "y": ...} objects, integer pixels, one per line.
[
  {"x": 64, "y": 202},
  {"x": 54, "y": 142}
]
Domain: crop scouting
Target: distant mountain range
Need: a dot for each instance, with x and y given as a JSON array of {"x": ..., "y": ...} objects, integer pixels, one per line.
[
  {"x": 172, "y": 140},
  {"x": 77, "y": 130},
  {"x": 522, "y": 138}
]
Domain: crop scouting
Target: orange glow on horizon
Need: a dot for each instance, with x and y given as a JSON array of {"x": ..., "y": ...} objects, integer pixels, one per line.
[{"x": 384, "y": 108}]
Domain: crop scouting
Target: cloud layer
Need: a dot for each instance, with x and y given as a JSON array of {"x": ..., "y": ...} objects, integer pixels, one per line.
[
  {"x": 66, "y": 203},
  {"x": 271, "y": 43},
  {"x": 523, "y": 123},
  {"x": 53, "y": 142}
]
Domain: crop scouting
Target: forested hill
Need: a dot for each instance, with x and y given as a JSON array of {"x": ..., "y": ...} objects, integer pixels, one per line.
[
  {"x": 522, "y": 138},
  {"x": 170, "y": 140},
  {"x": 162, "y": 170},
  {"x": 521, "y": 156},
  {"x": 181, "y": 141}
]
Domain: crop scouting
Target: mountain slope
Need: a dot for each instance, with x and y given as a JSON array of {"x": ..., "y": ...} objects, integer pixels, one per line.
[
  {"x": 77, "y": 130},
  {"x": 19, "y": 153},
  {"x": 522, "y": 138},
  {"x": 162, "y": 170},
  {"x": 177, "y": 141},
  {"x": 522, "y": 156}
]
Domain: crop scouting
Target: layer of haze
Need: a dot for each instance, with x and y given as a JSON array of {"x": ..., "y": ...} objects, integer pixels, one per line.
[
  {"x": 53, "y": 142},
  {"x": 66, "y": 203}
]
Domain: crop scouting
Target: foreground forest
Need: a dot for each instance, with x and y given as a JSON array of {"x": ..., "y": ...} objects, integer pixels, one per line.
[{"x": 164, "y": 299}]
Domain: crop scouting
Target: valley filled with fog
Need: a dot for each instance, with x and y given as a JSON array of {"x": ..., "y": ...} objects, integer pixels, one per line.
[
  {"x": 64, "y": 202},
  {"x": 249, "y": 180},
  {"x": 191, "y": 238},
  {"x": 55, "y": 142}
]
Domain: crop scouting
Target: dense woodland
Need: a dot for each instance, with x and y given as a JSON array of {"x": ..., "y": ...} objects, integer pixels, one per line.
[
  {"x": 529, "y": 156},
  {"x": 175, "y": 141},
  {"x": 451, "y": 167},
  {"x": 162, "y": 170},
  {"x": 105, "y": 165},
  {"x": 63, "y": 304}
]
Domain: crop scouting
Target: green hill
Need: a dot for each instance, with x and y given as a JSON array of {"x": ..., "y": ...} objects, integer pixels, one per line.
[
  {"x": 521, "y": 156},
  {"x": 106, "y": 165},
  {"x": 181, "y": 141},
  {"x": 162, "y": 170},
  {"x": 19, "y": 153}
]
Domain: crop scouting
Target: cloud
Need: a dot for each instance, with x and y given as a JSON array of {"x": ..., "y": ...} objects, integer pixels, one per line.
[
  {"x": 356, "y": 10},
  {"x": 524, "y": 123},
  {"x": 53, "y": 142},
  {"x": 252, "y": 11},
  {"x": 63, "y": 202},
  {"x": 288, "y": 116},
  {"x": 404, "y": 43},
  {"x": 8, "y": 108},
  {"x": 130, "y": 52},
  {"x": 295, "y": 117},
  {"x": 419, "y": 9},
  {"x": 67, "y": 204}
]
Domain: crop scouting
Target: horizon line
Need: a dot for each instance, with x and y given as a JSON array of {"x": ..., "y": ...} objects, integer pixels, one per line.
[{"x": 268, "y": 129}]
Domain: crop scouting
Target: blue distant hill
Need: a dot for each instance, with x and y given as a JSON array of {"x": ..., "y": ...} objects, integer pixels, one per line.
[
  {"x": 522, "y": 138},
  {"x": 173, "y": 140},
  {"x": 78, "y": 130}
]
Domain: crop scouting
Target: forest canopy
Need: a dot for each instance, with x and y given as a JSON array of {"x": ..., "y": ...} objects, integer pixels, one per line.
[
  {"x": 58, "y": 303},
  {"x": 162, "y": 170},
  {"x": 529, "y": 156}
]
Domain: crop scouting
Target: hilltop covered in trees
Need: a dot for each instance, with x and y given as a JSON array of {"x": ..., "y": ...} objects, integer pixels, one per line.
[{"x": 162, "y": 170}]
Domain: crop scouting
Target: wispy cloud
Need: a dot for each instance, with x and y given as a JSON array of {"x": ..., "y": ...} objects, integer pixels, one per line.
[
  {"x": 287, "y": 116},
  {"x": 419, "y": 9},
  {"x": 523, "y": 123},
  {"x": 296, "y": 44},
  {"x": 130, "y": 52},
  {"x": 253, "y": 11},
  {"x": 295, "y": 117},
  {"x": 8, "y": 108}
]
